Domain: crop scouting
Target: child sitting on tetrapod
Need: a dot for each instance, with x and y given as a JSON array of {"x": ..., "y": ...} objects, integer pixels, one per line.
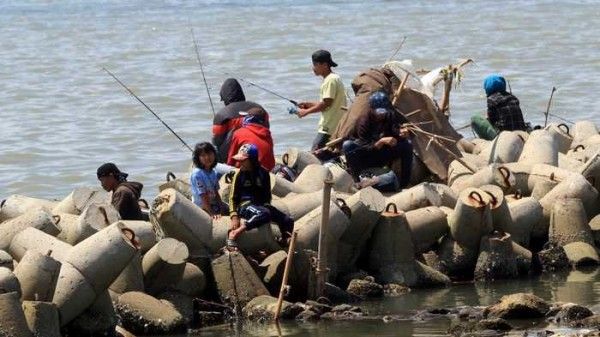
[{"x": 250, "y": 198}]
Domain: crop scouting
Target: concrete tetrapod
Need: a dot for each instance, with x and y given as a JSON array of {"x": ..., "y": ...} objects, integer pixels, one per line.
[
  {"x": 36, "y": 240},
  {"x": 499, "y": 208},
  {"x": 416, "y": 197},
  {"x": 523, "y": 257},
  {"x": 181, "y": 219},
  {"x": 281, "y": 187},
  {"x": 80, "y": 199},
  {"x": 299, "y": 160},
  {"x": 312, "y": 177},
  {"x": 455, "y": 260},
  {"x": 39, "y": 219},
  {"x": 192, "y": 281},
  {"x": 163, "y": 265},
  {"x": 427, "y": 224},
  {"x": 180, "y": 185},
  {"x": 90, "y": 267},
  {"x": 591, "y": 170},
  {"x": 494, "y": 174},
  {"x": 94, "y": 218},
  {"x": 458, "y": 173},
  {"x": 471, "y": 218},
  {"x": 541, "y": 172},
  {"x": 505, "y": 148},
  {"x": 526, "y": 214},
  {"x": 308, "y": 233},
  {"x": 38, "y": 275},
  {"x": 521, "y": 173},
  {"x": 581, "y": 131},
  {"x": 392, "y": 254},
  {"x": 542, "y": 187},
  {"x": 131, "y": 278},
  {"x": 250, "y": 242},
  {"x": 342, "y": 180},
  {"x": 16, "y": 205},
  {"x": 144, "y": 233},
  {"x": 104, "y": 255},
  {"x": 9, "y": 282},
  {"x": 12, "y": 318},
  {"x": 540, "y": 147},
  {"x": 42, "y": 318},
  {"x": 99, "y": 319},
  {"x": 575, "y": 186},
  {"x": 496, "y": 258},
  {"x": 560, "y": 132},
  {"x": 143, "y": 314},
  {"x": 569, "y": 223},
  {"x": 581, "y": 254},
  {"x": 298, "y": 205},
  {"x": 365, "y": 207},
  {"x": 237, "y": 282},
  {"x": 6, "y": 260}
]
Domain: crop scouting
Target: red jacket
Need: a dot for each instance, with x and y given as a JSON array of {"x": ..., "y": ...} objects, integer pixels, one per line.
[{"x": 257, "y": 135}]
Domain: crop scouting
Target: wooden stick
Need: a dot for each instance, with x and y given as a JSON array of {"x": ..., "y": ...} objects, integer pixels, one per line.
[
  {"x": 400, "y": 88},
  {"x": 322, "y": 265},
  {"x": 286, "y": 273},
  {"x": 444, "y": 105},
  {"x": 548, "y": 108},
  {"x": 412, "y": 113}
]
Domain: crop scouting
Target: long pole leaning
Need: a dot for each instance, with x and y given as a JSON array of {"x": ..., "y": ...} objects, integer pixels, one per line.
[
  {"x": 148, "y": 108},
  {"x": 322, "y": 263},
  {"x": 202, "y": 70},
  {"x": 286, "y": 274}
]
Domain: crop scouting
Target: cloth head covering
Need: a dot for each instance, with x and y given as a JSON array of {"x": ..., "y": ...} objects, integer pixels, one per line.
[
  {"x": 494, "y": 83},
  {"x": 231, "y": 91}
]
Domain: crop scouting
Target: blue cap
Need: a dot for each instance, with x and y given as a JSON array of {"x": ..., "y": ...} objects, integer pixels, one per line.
[{"x": 247, "y": 151}]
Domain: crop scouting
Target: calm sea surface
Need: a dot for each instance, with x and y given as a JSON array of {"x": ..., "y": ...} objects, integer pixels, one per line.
[{"x": 61, "y": 116}]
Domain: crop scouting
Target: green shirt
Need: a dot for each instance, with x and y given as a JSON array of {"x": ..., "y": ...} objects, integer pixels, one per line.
[{"x": 332, "y": 87}]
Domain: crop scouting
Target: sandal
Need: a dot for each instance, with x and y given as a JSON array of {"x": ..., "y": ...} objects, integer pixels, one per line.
[{"x": 231, "y": 245}]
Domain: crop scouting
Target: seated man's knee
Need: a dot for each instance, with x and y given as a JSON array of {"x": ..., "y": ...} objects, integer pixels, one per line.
[{"x": 348, "y": 146}]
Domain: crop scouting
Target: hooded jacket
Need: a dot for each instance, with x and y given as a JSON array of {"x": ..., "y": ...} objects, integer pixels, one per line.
[
  {"x": 125, "y": 199},
  {"x": 258, "y": 135},
  {"x": 228, "y": 119}
]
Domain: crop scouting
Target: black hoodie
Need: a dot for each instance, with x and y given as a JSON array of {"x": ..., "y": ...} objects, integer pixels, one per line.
[
  {"x": 125, "y": 199},
  {"x": 228, "y": 119}
]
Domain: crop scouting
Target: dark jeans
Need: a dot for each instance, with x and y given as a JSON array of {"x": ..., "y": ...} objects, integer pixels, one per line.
[
  {"x": 360, "y": 157},
  {"x": 257, "y": 216}
]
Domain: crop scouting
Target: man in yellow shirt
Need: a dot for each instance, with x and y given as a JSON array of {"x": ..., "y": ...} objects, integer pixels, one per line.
[{"x": 332, "y": 98}]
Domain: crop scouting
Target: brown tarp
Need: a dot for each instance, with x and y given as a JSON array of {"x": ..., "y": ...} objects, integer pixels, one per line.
[{"x": 433, "y": 155}]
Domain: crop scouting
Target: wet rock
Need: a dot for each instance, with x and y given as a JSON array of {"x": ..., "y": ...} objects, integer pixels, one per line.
[
  {"x": 345, "y": 308},
  {"x": 366, "y": 288},
  {"x": 554, "y": 258},
  {"x": 308, "y": 316},
  {"x": 570, "y": 312},
  {"x": 343, "y": 312},
  {"x": 144, "y": 314},
  {"x": 318, "y": 307},
  {"x": 519, "y": 305},
  {"x": 591, "y": 322},
  {"x": 395, "y": 290},
  {"x": 263, "y": 308},
  {"x": 337, "y": 295},
  {"x": 496, "y": 324},
  {"x": 470, "y": 313},
  {"x": 208, "y": 318}
]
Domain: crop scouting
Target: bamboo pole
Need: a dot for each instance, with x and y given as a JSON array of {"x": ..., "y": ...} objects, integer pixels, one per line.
[
  {"x": 400, "y": 88},
  {"x": 286, "y": 273},
  {"x": 322, "y": 265}
]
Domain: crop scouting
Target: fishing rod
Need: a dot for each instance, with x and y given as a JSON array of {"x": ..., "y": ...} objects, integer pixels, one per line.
[
  {"x": 397, "y": 49},
  {"x": 147, "y": 107},
  {"x": 548, "y": 107},
  {"x": 202, "y": 70},
  {"x": 262, "y": 88}
]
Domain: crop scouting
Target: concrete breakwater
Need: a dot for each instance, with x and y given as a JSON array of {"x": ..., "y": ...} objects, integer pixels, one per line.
[{"x": 75, "y": 267}]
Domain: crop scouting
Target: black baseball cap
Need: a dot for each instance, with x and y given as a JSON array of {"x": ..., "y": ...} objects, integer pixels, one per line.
[
  {"x": 108, "y": 169},
  {"x": 323, "y": 56}
]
